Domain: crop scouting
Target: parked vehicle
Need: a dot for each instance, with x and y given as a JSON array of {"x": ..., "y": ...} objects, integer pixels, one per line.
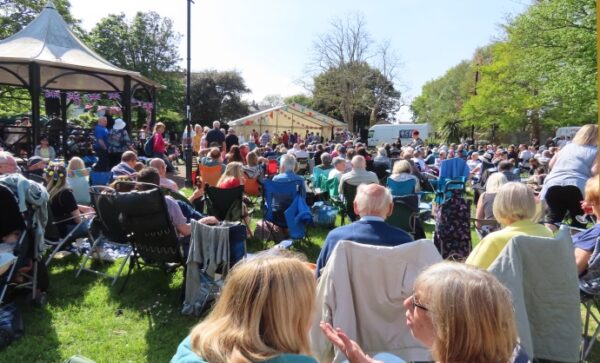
[{"x": 380, "y": 134}]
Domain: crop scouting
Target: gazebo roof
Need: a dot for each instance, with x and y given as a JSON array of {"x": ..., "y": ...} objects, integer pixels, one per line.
[{"x": 66, "y": 62}]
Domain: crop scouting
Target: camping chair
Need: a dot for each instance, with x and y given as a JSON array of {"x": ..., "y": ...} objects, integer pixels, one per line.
[
  {"x": 145, "y": 217},
  {"x": 108, "y": 227},
  {"x": 402, "y": 188},
  {"x": 100, "y": 177},
  {"x": 252, "y": 187},
  {"x": 332, "y": 188},
  {"x": 406, "y": 215},
  {"x": 589, "y": 287},
  {"x": 272, "y": 167},
  {"x": 226, "y": 204},
  {"x": 452, "y": 234},
  {"x": 349, "y": 193},
  {"x": 302, "y": 166},
  {"x": 210, "y": 174},
  {"x": 316, "y": 177},
  {"x": 487, "y": 226},
  {"x": 277, "y": 199},
  {"x": 54, "y": 239}
]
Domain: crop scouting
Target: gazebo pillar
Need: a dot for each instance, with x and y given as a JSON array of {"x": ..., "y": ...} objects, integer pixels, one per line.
[
  {"x": 153, "y": 112},
  {"x": 127, "y": 102},
  {"x": 35, "y": 92}
]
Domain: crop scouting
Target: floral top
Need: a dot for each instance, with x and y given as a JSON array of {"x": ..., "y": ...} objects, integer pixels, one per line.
[{"x": 118, "y": 141}]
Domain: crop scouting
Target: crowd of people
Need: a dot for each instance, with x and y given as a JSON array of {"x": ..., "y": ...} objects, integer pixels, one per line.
[{"x": 457, "y": 310}]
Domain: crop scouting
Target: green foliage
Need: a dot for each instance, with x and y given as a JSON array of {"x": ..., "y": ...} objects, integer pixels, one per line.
[
  {"x": 217, "y": 96},
  {"x": 16, "y": 14},
  {"x": 301, "y": 99}
]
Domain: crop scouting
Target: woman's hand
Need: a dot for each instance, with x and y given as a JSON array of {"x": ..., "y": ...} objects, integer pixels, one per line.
[{"x": 350, "y": 348}]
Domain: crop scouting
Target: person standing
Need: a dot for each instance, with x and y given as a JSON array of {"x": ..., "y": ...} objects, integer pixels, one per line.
[
  {"x": 215, "y": 137},
  {"x": 231, "y": 139},
  {"x": 265, "y": 138},
  {"x": 159, "y": 146},
  {"x": 285, "y": 139},
  {"x": 101, "y": 145},
  {"x": 118, "y": 142}
]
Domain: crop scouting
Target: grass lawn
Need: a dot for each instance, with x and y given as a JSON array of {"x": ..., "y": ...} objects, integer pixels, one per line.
[{"x": 87, "y": 316}]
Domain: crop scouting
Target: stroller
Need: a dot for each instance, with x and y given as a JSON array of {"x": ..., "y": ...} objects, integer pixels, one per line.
[{"x": 23, "y": 278}]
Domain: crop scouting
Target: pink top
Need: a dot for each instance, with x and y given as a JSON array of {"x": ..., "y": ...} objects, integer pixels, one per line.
[
  {"x": 229, "y": 183},
  {"x": 159, "y": 144}
]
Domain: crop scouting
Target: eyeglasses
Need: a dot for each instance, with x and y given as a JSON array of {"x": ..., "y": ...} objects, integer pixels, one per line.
[{"x": 416, "y": 304}]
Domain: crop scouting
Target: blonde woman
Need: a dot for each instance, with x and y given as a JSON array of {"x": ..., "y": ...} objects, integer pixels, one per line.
[
  {"x": 402, "y": 171},
  {"x": 233, "y": 176},
  {"x": 570, "y": 169},
  {"x": 63, "y": 204},
  {"x": 462, "y": 313},
  {"x": 263, "y": 315},
  {"x": 485, "y": 203},
  {"x": 514, "y": 207},
  {"x": 77, "y": 179},
  {"x": 159, "y": 146}
]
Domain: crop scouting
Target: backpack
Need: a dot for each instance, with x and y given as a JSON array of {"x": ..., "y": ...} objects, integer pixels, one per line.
[{"x": 149, "y": 146}]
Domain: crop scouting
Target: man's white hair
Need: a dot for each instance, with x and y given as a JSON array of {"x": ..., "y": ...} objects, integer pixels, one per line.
[
  {"x": 5, "y": 156},
  {"x": 216, "y": 125},
  {"x": 157, "y": 163},
  {"x": 288, "y": 163},
  {"x": 373, "y": 200},
  {"x": 359, "y": 162}
]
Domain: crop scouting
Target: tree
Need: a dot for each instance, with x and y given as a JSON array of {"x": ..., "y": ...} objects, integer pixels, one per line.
[
  {"x": 16, "y": 14},
  {"x": 300, "y": 99},
  {"x": 345, "y": 84},
  {"x": 147, "y": 44},
  {"x": 271, "y": 101},
  {"x": 218, "y": 96}
]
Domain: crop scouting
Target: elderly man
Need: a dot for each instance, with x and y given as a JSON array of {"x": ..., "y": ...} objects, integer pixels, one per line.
[
  {"x": 325, "y": 162},
  {"x": 231, "y": 139},
  {"x": 287, "y": 174},
  {"x": 215, "y": 137},
  {"x": 161, "y": 166},
  {"x": 359, "y": 174},
  {"x": 373, "y": 203},
  {"x": 101, "y": 145},
  {"x": 339, "y": 167},
  {"x": 8, "y": 164},
  {"x": 127, "y": 165}
]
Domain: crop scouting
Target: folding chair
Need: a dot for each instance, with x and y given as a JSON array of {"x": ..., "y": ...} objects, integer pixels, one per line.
[
  {"x": 316, "y": 177},
  {"x": 145, "y": 217},
  {"x": 399, "y": 189},
  {"x": 277, "y": 198},
  {"x": 210, "y": 174},
  {"x": 252, "y": 187},
  {"x": 108, "y": 227},
  {"x": 487, "y": 226},
  {"x": 349, "y": 193},
  {"x": 54, "y": 240},
  {"x": 226, "y": 204},
  {"x": 100, "y": 177},
  {"x": 406, "y": 215},
  {"x": 302, "y": 166},
  {"x": 589, "y": 288},
  {"x": 272, "y": 167}
]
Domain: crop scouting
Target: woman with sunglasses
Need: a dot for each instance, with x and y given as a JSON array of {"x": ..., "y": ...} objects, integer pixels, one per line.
[{"x": 461, "y": 313}]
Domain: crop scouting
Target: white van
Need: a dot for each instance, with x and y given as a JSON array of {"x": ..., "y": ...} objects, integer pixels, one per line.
[
  {"x": 569, "y": 131},
  {"x": 380, "y": 134}
]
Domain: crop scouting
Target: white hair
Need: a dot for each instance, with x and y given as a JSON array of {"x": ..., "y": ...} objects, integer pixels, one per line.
[
  {"x": 288, "y": 163},
  {"x": 495, "y": 181},
  {"x": 373, "y": 200},
  {"x": 382, "y": 151},
  {"x": 359, "y": 162},
  {"x": 216, "y": 125},
  {"x": 5, "y": 156}
]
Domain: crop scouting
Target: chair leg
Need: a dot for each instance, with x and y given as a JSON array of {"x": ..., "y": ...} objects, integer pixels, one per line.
[
  {"x": 121, "y": 267},
  {"x": 87, "y": 256},
  {"x": 132, "y": 263}
]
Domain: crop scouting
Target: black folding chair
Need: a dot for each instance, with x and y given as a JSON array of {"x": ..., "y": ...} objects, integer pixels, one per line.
[
  {"x": 349, "y": 193},
  {"x": 406, "y": 215}
]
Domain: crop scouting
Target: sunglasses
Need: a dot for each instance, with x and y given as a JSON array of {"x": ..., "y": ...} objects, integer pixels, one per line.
[{"x": 416, "y": 304}]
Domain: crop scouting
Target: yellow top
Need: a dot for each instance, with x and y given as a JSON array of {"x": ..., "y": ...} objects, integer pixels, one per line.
[{"x": 491, "y": 245}]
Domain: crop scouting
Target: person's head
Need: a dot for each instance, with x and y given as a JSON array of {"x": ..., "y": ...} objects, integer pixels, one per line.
[
  {"x": 514, "y": 202},
  {"x": 382, "y": 152},
  {"x": 102, "y": 121},
  {"x": 288, "y": 163},
  {"x": 235, "y": 154},
  {"x": 233, "y": 170},
  {"x": 373, "y": 200},
  {"x": 129, "y": 157},
  {"x": 415, "y": 134},
  {"x": 475, "y": 156},
  {"x": 159, "y": 128},
  {"x": 215, "y": 153},
  {"x": 463, "y": 313},
  {"x": 231, "y": 131},
  {"x": 592, "y": 194},
  {"x": 505, "y": 166},
  {"x": 76, "y": 163},
  {"x": 442, "y": 155},
  {"x": 401, "y": 166},
  {"x": 264, "y": 310},
  {"x": 148, "y": 175},
  {"x": 56, "y": 179},
  {"x": 159, "y": 165},
  {"x": 8, "y": 164},
  {"x": 44, "y": 141},
  {"x": 494, "y": 182},
  {"x": 139, "y": 166},
  {"x": 216, "y": 125},
  {"x": 197, "y": 129},
  {"x": 359, "y": 162},
  {"x": 35, "y": 163},
  {"x": 534, "y": 163},
  {"x": 252, "y": 158},
  {"x": 326, "y": 159},
  {"x": 339, "y": 163},
  {"x": 409, "y": 153},
  {"x": 587, "y": 135}
]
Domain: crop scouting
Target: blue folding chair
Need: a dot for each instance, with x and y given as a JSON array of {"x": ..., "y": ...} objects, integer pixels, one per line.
[
  {"x": 402, "y": 188},
  {"x": 100, "y": 178},
  {"x": 277, "y": 198},
  {"x": 316, "y": 176}
]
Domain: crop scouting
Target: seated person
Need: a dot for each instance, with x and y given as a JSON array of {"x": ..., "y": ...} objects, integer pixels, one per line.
[
  {"x": 373, "y": 203},
  {"x": 184, "y": 229},
  {"x": 77, "y": 178},
  {"x": 263, "y": 315},
  {"x": 339, "y": 168},
  {"x": 485, "y": 204},
  {"x": 286, "y": 173},
  {"x": 514, "y": 207},
  {"x": 253, "y": 169},
  {"x": 359, "y": 174},
  {"x": 161, "y": 166},
  {"x": 585, "y": 242},
  {"x": 301, "y": 152},
  {"x": 213, "y": 158},
  {"x": 325, "y": 162},
  {"x": 233, "y": 176},
  {"x": 402, "y": 172},
  {"x": 44, "y": 150},
  {"x": 382, "y": 158},
  {"x": 63, "y": 204},
  {"x": 506, "y": 168},
  {"x": 35, "y": 169},
  {"x": 127, "y": 165}
]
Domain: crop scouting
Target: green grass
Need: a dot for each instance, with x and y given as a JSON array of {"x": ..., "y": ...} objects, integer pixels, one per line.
[{"x": 87, "y": 316}]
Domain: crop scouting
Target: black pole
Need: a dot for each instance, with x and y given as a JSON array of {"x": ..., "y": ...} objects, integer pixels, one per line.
[
  {"x": 35, "y": 92},
  {"x": 188, "y": 116}
]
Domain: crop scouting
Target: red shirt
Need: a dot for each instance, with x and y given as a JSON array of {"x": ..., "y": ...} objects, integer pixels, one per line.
[{"x": 229, "y": 183}]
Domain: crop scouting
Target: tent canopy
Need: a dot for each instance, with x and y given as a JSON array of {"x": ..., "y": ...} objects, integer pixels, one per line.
[
  {"x": 291, "y": 118},
  {"x": 66, "y": 63}
]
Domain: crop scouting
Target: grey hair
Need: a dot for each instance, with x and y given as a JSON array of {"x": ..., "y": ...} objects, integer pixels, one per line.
[
  {"x": 326, "y": 158},
  {"x": 5, "y": 156},
  {"x": 288, "y": 163},
  {"x": 216, "y": 124},
  {"x": 359, "y": 162},
  {"x": 382, "y": 151}
]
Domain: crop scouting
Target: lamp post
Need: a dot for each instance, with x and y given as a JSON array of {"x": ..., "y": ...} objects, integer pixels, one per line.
[{"x": 188, "y": 113}]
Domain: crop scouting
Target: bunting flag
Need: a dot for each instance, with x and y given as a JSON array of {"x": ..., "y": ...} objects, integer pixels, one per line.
[
  {"x": 51, "y": 93},
  {"x": 94, "y": 97},
  {"x": 74, "y": 97},
  {"x": 114, "y": 96}
]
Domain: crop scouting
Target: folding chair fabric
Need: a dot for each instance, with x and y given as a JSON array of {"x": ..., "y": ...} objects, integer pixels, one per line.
[
  {"x": 226, "y": 204},
  {"x": 100, "y": 177},
  {"x": 349, "y": 193},
  {"x": 210, "y": 174},
  {"x": 406, "y": 215},
  {"x": 402, "y": 188}
]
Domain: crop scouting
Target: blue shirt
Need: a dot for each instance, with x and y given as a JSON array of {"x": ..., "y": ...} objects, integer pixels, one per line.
[
  {"x": 101, "y": 133},
  {"x": 368, "y": 230},
  {"x": 586, "y": 240}
]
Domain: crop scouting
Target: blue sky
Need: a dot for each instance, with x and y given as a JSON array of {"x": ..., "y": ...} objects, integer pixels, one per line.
[{"x": 270, "y": 42}]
